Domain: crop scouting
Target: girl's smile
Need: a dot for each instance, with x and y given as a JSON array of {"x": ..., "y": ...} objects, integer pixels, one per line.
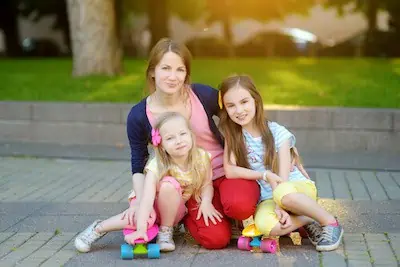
[
  {"x": 241, "y": 117},
  {"x": 240, "y": 106}
]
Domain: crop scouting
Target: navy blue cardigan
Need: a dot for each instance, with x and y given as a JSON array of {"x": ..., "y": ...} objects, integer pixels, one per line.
[{"x": 139, "y": 129}]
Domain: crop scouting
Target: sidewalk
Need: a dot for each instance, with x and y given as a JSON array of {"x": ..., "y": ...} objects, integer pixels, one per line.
[
  {"x": 45, "y": 202},
  {"x": 366, "y": 160}
]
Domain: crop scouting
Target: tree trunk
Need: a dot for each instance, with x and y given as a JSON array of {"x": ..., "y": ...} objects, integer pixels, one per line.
[
  {"x": 9, "y": 24},
  {"x": 119, "y": 13},
  {"x": 158, "y": 20},
  {"x": 270, "y": 48},
  {"x": 95, "y": 47},
  {"x": 227, "y": 23},
  {"x": 225, "y": 7},
  {"x": 358, "y": 51},
  {"x": 372, "y": 16},
  {"x": 394, "y": 29},
  {"x": 64, "y": 24}
]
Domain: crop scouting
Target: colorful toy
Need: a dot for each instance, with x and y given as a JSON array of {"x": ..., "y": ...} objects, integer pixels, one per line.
[
  {"x": 141, "y": 249},
  {"x": 254, "y": 241}
]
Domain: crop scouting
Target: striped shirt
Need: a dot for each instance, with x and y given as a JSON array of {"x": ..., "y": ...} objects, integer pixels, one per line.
[{"x": 255, "y": 155}]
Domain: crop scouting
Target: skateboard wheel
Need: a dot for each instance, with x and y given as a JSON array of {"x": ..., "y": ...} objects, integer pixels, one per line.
[
  {"x": 153, "y": 251},
  {"x": 244, "y": 243},
  {"x": 126, "y": 252},
  {"x": 268, "y": 245}
]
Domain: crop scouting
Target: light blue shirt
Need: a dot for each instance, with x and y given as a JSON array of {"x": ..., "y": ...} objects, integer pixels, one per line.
[{"x": 255, "y": 156}]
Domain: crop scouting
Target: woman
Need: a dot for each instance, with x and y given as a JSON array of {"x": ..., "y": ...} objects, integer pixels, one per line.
[{"x": 168, "y": 80}]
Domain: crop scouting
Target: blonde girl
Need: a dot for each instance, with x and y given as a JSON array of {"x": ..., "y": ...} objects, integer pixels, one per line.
[{"x": 180, "y": 170}]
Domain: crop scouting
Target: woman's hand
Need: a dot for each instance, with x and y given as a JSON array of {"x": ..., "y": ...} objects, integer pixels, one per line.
[
  {"x": 283, "y": 217},
  {"x": 209, "y": 212}
]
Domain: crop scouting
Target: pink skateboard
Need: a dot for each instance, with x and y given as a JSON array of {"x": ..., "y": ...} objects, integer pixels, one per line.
[
  {"x": 151, "y": 233},
  {"x": 140, "y": 248}
]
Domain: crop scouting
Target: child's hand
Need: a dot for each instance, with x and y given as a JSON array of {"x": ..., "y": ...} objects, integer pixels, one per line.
[
  {"x": 130, "y": 213},
  {"x": 131, "y": 238},
  {"x": 208, "y": 211},
  {"x": 283, "y": 217},
  {"x": 272, "y": 178},
  {"x": 303, "y": 171},
  {"x": 296, "y": 162}
]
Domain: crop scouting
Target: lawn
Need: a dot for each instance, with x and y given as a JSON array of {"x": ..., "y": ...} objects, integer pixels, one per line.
[{"x": 304, "y": 82}]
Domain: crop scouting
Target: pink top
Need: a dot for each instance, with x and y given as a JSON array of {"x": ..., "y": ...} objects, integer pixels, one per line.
[{"x": 204, "y": 137}]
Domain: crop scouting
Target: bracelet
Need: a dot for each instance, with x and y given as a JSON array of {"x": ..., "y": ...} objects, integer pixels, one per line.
[{"x": 264, "y": 176}]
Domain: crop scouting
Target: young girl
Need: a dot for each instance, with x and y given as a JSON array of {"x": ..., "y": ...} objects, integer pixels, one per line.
[
  {"x": 178, "y": 171},
  {"x": 258, "y": 149}
]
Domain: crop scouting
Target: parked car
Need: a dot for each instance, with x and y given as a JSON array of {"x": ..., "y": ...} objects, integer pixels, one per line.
[{"x": 277, "y": 44}]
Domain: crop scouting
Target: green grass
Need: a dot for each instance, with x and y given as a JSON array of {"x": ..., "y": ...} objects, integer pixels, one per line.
[{"x": 304, "y": 82}]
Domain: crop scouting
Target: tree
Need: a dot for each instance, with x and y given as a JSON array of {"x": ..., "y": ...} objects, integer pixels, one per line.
[
  {"x": 393, "y": 9},
  {"x": 370, "y": 10},
  {"x": 159, "y": 13},
  {"x": 223, "y": 11},
  {"x": 158, "y": 20},
  {"x": 96, "y": 48},
  {"x": 9, "y": 25}
]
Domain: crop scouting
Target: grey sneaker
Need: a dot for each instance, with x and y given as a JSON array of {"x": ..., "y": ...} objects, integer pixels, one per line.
[
  {"x": 84, "y": 240},
  {"x": 330, "y": 238},
  {"x": 165, "y": 238},
  {"x": 314, "y": 231}
]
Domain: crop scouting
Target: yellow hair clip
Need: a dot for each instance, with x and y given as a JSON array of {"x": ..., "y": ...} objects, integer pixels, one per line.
[{"x": 220, "y": 100}]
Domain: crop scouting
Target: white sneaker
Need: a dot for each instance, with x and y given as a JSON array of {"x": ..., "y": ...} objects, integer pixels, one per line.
[
  {"x": 85, "y": 239},
  {"x": 165, "y": 240}
]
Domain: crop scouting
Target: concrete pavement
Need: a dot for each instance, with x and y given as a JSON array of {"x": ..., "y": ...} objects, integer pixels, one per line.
[
  {"x": 45, "y": 202},
  {"x": 365, "y": 160}
]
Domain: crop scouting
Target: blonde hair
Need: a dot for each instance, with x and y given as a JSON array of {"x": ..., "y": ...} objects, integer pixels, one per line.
[
  {"x": 163, "y": 46},
  {"x": 233, "y": 132},
  {"x": 165, "y": 164}
]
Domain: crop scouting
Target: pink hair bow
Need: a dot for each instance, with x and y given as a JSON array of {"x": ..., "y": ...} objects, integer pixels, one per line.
[{"x": 155, "y": 137}]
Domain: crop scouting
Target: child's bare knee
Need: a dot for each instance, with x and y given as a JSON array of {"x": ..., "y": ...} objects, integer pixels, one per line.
[
  {"x": 167, "y": 186},
  {"x": 288, "y": 200},
  {"x": 276, "y": 231}
]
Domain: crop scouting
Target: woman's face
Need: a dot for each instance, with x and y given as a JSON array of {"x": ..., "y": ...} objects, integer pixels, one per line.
[{"x": 170, "y": 73}]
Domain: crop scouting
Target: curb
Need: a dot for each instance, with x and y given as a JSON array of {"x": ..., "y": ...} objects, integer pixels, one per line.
[{"x": 320, "y": 129}]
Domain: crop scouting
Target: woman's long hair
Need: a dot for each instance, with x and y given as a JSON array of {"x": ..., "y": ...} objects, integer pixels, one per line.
[{"x": 200, "y": 172}]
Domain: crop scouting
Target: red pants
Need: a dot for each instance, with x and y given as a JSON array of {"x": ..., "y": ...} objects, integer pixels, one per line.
[{"x": 234, "y": 198}]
